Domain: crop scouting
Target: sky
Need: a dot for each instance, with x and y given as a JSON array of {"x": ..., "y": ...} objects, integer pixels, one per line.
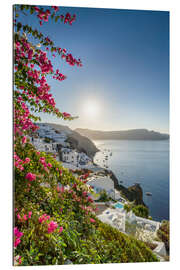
[{"x": 124, "y": 81}]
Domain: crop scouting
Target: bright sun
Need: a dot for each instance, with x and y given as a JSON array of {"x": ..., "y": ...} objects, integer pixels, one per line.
[{"x": 91, "y": 109}]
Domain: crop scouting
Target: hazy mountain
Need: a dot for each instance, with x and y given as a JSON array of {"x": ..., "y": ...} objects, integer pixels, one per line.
[{"x": 133, "y": 134}]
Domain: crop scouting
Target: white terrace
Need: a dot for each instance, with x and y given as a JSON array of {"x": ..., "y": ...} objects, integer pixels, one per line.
[{"x": 114, "y": 218}]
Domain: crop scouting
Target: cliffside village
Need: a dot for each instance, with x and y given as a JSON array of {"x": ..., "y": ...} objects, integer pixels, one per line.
[{"x": 50, "y": 140}]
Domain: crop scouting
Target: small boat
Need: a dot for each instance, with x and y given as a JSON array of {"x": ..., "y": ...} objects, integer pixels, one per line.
[
  {"x": 148, "y": 193},
  {"x": 121, "y": 181}
]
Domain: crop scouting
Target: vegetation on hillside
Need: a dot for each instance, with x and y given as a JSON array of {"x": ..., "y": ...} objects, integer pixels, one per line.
[
  {"x": 141, "y": 211},
  {"x": 163, "y": 233},
  {"x": 138, "y": 210},
  {"x": 103, "y": 196}
]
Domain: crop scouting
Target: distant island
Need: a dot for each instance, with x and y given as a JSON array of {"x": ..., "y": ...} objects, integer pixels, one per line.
[{"x": 132, "y": 134}]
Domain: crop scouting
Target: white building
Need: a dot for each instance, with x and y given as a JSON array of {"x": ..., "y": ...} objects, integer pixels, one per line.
[
  {"x": 47, "y": 131},
  {"x": 70, "y": 156},
  {"x": 40, "y": 145},
  {"x": 77, "y": 159},
  {"x": 148, "y": 224}
]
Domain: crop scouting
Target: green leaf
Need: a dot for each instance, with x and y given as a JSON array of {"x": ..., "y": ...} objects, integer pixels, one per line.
[
  {"x": 32, "y": 10},
  {"x": 56, "y": 18}
]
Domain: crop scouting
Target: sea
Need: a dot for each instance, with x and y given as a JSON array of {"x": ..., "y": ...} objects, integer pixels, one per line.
[{"x": 143, "y": 162}]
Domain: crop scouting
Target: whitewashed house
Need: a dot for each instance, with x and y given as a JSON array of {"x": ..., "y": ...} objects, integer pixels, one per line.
[
  {"x": 47, "y": 131},
  {"x": 70, "y": 156}
]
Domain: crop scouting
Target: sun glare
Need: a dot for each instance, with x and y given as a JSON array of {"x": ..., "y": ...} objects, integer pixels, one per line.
[{"x": 91, "y": 109}]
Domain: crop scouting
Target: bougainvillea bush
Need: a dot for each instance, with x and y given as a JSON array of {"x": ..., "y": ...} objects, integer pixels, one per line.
[{"x": 54, "y": 217}]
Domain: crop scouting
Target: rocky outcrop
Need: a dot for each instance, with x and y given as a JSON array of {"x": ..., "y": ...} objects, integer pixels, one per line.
[{"x": 133, "y": 193}]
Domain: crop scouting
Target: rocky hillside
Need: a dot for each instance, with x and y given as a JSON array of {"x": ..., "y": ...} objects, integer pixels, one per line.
[{"x": 134, "y": 134}]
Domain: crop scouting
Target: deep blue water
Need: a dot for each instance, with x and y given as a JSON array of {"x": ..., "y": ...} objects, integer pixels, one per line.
[{"x": 145, "y": 162}]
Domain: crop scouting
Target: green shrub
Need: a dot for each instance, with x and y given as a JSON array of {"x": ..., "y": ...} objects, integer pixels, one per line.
[
  {"x": 163, "y": 233},
  {"x": 127, "y": 207},
  {"x": 122, "y": 248},
  {"x": 103, "y": 197},
  {"x": 141, "y": 211},
  {"x": 47, "y": 140}
]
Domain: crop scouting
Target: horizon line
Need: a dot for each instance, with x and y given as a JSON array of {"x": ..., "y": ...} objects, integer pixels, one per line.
[{"x": 164, "y": 132}]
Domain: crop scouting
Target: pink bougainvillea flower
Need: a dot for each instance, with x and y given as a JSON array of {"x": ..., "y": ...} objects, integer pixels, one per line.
[
  {"x": 60, "y": 229},
  {"x": 17, "y": 233},
  {"x": 58, "y": 188},
  {"x": 42, "y": 160},
  {"x": 55, "y": 8},
  {"x": 92, "y": 220},
  {"x": 29, "y": 214},
  {"x": 17, "y": 242},
  {"x": 43, "y": 218},
  {"x": 52, "y": 226},
  {"x": 24, "y": 139},
  {"x": 18, "y": 216},
  {"x": 27, "y": 160},
  {"x": 30, "y": 176},
  {"x": 25, "y": 217},
  {"x": 17, "y": 260},
  {"x": 62, "y": 189},
  {"x": 90, "y": 199},
  {"x": 84, "y": 193},
  {"x": 30, "y": 54},
  {"x": 49, "y": 165},
  {"x": 66, "y": 115}
]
